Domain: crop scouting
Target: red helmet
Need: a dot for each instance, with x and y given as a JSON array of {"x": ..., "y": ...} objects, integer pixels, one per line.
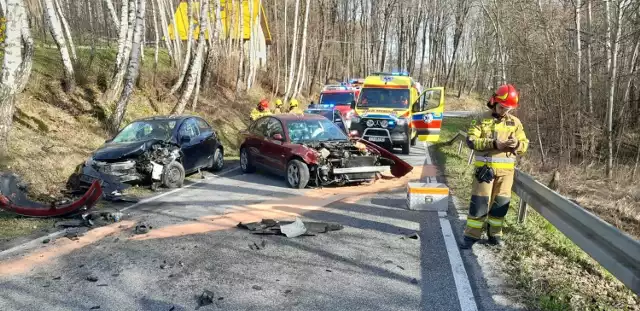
[
  {"x": 264, "y": 104},
  {"x": 506, "y": 96}
]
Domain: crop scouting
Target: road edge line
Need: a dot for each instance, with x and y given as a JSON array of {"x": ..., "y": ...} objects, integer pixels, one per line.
[
  {"x": 461, "y": 279},
  {"x": 39, "y": 241}
]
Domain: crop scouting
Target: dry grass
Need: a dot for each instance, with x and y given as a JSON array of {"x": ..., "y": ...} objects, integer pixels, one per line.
[
  {"x": 465, "y": 103},
  {"x": 549, "y": 271},
  {"x": 615, "y": 201}
]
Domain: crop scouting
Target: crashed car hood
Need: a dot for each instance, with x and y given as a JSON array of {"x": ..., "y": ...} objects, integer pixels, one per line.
[{"x": 117, "y": 151}]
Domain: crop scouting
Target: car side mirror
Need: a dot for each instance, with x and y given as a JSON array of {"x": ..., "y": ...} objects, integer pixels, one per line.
[
  {"x": 185, "y": 139},
  {"x": 277, "y": 136},
  {"x": 353, "y": 104}
]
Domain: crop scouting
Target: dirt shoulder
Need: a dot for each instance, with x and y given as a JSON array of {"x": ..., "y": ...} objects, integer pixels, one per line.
[{"x": 548, "y": 270}]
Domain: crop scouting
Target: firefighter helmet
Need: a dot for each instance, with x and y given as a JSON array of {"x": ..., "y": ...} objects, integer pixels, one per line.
[
  {"x": 293, "y": 103},
  {"x": 278, "y": 103},
  {"x": 506, "y": 96},
  {"x": 264, "y": 104}
]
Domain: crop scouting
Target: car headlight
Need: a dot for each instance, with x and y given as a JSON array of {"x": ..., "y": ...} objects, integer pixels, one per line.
[
  {"x": 355, "y": 119},
  {"x": 384, "y": 123},
  {"x": 402, "y": 121}
]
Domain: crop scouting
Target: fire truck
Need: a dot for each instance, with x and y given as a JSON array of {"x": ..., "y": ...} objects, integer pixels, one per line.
[{"x": 339, "y": 97}]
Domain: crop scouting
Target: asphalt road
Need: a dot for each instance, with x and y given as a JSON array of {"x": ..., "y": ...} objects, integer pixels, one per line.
[{"x": 194, "y": 246}]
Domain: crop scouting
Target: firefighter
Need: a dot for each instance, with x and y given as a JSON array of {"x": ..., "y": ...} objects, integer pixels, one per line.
[
  {"x": 261, "y": 110},
  {"x": 278, "y": 108},
  {"x": 294, "y": 107},
  {"x": 497, "y": 139}
]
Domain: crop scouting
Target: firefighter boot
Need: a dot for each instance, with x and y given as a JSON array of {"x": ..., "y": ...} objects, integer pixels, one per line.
[
  {"x": 496, "y": 241},
  {"x": 467, "y": 242}
]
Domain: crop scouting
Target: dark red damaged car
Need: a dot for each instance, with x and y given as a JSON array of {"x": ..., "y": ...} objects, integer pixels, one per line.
[{"x": 310, "y": 149}]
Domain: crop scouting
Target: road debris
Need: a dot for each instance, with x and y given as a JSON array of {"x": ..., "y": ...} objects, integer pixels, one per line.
[
  {"x": 75, "y": 233},
  {"x": 57, "y": 278},
  {"x": 414, "y": 281},
  {"x": 413, "y": 236},
  {"x": 45, "y": 241},
  {"x": 274, "y": 227},
  {"x": 142, "y": 228},
  {"x": 255, "y": 247},
  {"x": 294, "y": 229},
  {"x": 94, "y": 308},
  {"x": 205, "y": 299},
  {"x": 257, "y": 287},
  {"x": 13, "y": 198},
  {"x": 103, "y": 284},
  {"x": 92, "y": 278}
]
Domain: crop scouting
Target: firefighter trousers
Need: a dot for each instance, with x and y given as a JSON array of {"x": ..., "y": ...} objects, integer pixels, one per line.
[{"x": 489, "y": 205}]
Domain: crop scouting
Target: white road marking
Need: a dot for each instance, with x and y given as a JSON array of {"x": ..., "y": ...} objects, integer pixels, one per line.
[
  {"x": 465, "y": 293},
  {"x": 38, "y": 242},
  {"x": 460, "y": 277}
]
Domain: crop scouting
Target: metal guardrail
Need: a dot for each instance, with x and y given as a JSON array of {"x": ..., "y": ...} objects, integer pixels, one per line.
[{"x": 613, "y": 249}]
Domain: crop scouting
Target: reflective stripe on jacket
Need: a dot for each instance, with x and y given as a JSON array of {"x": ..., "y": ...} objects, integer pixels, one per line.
[
  {"x": 256, "y": 114},
  {"x": 483, "y": 135}
]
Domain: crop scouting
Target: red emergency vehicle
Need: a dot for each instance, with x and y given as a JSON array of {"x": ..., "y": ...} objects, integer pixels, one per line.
[{"x": 339, "y": 97}]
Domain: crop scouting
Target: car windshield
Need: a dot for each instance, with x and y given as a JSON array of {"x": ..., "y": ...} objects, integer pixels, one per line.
[
  {"x": 314, "y": 130},
  {"x": 336, "y": 99},
  {"x": 384, "y": 98},
  {"x": 146, "y": 130}
]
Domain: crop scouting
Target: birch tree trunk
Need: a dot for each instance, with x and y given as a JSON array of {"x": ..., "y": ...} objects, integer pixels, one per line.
[
  {"x": 27, "y": 47},
  {"x": 163, "y": 20},
  {"x": 196, "y": 66},
  {"x": 240, "y": 39},
  {"x": 157, "y": 40},
  {"x": 56, "y": 32},
  {"x": 303, "y": 49},
  {"x": 294, "y": 48},
  {"x": 112, "y": 13},
  {"x": 323, "y": 37},
  {"x": 589, "y": 60},
  {"x": 122, "y": 33},
  {"x": 121, "y": 70},
  {"x": 176, "y": 38},
  {"x": 187, "y": 55},
  {"x": 67, "y": 31},
  {"x": 613, "y": 64},
  {"x": 12, "y": 67},
  {"x": 133, "y": 68},
  {"x": 579, "y": 53}
]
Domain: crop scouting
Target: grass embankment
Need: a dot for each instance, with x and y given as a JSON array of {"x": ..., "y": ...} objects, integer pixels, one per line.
[
  {"x": 53, "y": 132},
  {"x": 471, "y": 102},
  {"x": 550, "y": 272}
]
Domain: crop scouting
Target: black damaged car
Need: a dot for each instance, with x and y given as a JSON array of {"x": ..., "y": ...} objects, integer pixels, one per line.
[{"x": 156, "y": 150}]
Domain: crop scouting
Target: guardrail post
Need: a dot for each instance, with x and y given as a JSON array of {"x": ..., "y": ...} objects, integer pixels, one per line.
[
  {"x": 460, "y": 147},
  {"x": 522, "y": 211},
  {"x": 470, "y": 157}
]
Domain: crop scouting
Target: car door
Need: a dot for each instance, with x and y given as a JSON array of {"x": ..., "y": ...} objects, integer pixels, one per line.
[
  {"x": 426, "y": 119},
  {"x": 274, "y": 151},
  {"x": 208, "y": 144},
  {"x": 255, "y": 140},
  {"x": 339, "y": 121},
  {"x": 189, "y": 139}
]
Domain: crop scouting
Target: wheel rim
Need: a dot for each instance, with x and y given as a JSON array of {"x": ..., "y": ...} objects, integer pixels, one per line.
[
  {"x": 293, "y": 175},
  {"x": 243, "y": 159},
  {"x": 174, "y": 175},
  {"x": 220, "y": 159}
]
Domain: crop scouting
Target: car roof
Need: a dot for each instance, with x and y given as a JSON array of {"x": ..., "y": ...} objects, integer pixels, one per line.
[
  {"x": 166, "y": 118},
  {"x": 293, "y": 117}
]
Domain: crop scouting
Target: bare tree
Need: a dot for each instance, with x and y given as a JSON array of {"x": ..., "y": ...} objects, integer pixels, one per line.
[
  {"x": 67, "y": 30},
  {"x": 187, "y": 55},
  {"x": 133, "y": 68},
  {"x": 303, "y": 51},
  {"x": 113, "y": 14},
  {"x": 125, "y": 47},
  {"x": 14, "y": 68},
  {"x": 294, "y": 48},
  {"x": 196, "y": 66},
  {"x": 58, "y": 37}
]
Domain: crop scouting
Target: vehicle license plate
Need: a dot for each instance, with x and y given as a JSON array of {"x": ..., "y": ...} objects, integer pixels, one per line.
[{"x": 378, "y": 139}]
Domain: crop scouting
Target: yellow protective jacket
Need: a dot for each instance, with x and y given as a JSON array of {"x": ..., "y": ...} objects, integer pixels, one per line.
[
  {"x": 256, "y": 114},
  {"x": 296, "y": 110},
  {"x": 277, "y": 110},
  {"x": 485, "y": 132}
]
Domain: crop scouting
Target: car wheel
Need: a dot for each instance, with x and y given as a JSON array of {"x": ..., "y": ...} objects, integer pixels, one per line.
[
  {"x": 217, "y": 163},
  {"x": 406, "y": 147},
  {"x": 173, "y": 175},
  {"x": 297, "y": 174},
  {"x": 245, "y": 162}
]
